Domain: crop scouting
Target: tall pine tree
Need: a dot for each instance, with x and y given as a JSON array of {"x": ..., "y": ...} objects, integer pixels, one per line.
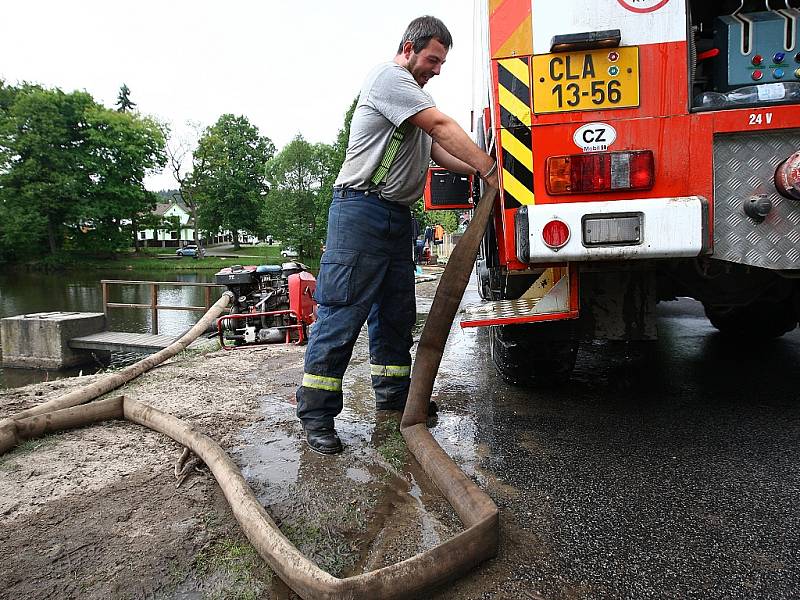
[{"x": 124, "y": 102}]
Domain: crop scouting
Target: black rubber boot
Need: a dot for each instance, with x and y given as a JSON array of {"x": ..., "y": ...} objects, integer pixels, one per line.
[{"x": 324, "y": 441}]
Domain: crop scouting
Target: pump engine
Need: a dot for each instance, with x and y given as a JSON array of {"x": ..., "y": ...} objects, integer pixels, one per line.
[{"x": 272, "y": 304}]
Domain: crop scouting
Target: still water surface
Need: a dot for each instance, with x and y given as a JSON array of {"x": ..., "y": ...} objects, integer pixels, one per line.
[{"x": 22, "y": 292}]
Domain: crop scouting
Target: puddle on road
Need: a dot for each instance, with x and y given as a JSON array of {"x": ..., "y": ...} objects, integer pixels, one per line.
[
  {"x": 270, "y": 455},
  {"x": 456, "y": 434}
]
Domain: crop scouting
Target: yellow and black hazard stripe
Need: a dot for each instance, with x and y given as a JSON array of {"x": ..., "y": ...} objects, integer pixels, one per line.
[
  {"x": 513, "y": 94},
  {"x": 517, "y": 175}
]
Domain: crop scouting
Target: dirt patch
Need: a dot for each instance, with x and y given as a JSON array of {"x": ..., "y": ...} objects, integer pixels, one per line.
[{"x": 95, "y": 513}]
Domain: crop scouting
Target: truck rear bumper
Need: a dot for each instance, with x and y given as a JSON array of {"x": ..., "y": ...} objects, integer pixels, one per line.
[{"x": 616, "y": 230}]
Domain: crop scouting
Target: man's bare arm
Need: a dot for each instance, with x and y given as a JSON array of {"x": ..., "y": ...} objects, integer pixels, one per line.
[
  {"x": 455, "y": 141},
  {"x": 444, "y": 159}
]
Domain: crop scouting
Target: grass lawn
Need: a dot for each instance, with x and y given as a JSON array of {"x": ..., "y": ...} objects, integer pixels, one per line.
[{"x": 164, "y": 259}]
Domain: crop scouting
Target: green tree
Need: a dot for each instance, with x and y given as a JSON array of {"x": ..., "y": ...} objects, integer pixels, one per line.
[
  {"x": 446, "y": 218},
  {"x": 124, "y": 147},
  {"x": 45, "y": 180},
  {"x": 343, "y": 137},
  {"x": 301, "y": 176},
  {"x": 228, "y": 176},
  {"x": 124, "y": 102},
  {"x": 71, "y": 170},
  {"x": 7, "y": 95}
]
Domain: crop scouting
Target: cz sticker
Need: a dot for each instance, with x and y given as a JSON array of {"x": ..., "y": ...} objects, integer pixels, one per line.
[{"x": 594, "y": 137}]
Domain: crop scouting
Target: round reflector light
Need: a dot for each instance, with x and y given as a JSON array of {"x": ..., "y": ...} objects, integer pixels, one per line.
[{"x": 555, "y": 234}]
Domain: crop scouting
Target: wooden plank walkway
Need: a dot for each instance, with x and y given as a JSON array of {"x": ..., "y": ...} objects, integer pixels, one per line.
[{"x": 117, "y": 341}]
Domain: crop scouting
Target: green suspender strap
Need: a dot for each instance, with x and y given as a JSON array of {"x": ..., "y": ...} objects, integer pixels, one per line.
[{"x": 391, "y": 152}]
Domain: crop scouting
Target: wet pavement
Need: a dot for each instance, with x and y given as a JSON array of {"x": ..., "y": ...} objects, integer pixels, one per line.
[{"x": 667, "y": 469}]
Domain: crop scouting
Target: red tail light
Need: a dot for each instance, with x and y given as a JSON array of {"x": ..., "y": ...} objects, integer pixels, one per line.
[{"x": 600, "y": 172}]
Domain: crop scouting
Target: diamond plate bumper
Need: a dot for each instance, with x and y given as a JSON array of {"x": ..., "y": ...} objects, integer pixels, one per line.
[{"x": 744, "y": 166}]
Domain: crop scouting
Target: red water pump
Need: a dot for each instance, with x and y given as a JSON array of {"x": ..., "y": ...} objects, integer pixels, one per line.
[{"x": 272, "y": 304}]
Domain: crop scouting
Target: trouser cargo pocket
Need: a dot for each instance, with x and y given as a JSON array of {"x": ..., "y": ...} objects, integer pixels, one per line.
[{"x": 335, "y": 280}]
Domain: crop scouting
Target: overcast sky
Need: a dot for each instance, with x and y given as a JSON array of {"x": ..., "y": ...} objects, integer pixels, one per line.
[{"x": 289, "y": 66}]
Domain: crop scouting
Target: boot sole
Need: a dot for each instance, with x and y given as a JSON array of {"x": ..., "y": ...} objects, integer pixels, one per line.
[{"x": 325, "y": 451}]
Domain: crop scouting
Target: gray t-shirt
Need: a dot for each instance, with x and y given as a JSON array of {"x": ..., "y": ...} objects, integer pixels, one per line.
[{"x": 389, "y": 96}]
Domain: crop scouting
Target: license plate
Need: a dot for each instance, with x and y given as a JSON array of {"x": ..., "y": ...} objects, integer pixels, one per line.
[{"x": 591, "y": 80}]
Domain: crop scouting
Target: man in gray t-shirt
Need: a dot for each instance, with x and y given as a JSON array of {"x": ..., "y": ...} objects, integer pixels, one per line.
[
  {"x": 367, "y": 272},
  {"x": 389, "y": 97}
]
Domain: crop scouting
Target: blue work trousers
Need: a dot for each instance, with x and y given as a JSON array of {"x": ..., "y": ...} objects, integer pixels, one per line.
[{"x": 366, "y": 274}]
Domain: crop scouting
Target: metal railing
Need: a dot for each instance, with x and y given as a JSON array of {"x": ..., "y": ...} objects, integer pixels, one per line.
[{"x": 154, "y": 306}]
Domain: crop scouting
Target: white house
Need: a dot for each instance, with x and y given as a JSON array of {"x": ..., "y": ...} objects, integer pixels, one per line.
[
  {"x": 169, "y": 237},
  {"x": 184, "y": 234}
]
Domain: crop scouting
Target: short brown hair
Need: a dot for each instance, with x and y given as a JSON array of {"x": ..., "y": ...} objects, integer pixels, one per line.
[{"x": 422, "y": 30}]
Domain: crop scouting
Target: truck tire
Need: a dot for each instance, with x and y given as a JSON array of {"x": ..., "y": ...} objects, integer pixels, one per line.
[
  {"x": 760, "y": 320},
  {"x": 482, "y": 275},
  {"x": 529, "y": 355}
]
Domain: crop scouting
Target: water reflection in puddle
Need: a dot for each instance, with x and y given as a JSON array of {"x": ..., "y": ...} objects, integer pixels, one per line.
[
  {"x": 456, "y": 434},
  {"x": 358, "y": 475},
  {"x": 270, "y": 455},
  {"x": 274, "y": 461}
]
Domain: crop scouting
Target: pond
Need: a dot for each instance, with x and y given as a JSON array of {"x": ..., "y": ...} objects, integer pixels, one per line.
[{"x": 31, "y": 292}]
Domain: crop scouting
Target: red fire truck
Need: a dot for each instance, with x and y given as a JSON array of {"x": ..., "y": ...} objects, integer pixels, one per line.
[{"x": 649, "y": 149}]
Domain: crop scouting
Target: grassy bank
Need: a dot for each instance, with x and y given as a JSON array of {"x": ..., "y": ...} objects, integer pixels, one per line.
[{"x": 164, "y": 259}]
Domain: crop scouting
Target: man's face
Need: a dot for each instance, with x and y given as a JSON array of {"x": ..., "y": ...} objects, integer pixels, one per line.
[{"x": 428, "y": 63}]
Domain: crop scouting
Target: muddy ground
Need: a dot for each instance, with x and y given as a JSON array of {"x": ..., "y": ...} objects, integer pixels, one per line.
[{"x": 97, "y": 512}]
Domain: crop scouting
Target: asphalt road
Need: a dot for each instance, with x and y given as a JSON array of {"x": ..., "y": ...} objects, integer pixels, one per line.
[{"x": 668, "y": 469}]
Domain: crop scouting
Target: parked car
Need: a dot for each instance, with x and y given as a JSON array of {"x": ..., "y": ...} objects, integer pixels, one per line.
[
  {"x": 289, "y": 253},
  {"x": 190, "y": 250}
]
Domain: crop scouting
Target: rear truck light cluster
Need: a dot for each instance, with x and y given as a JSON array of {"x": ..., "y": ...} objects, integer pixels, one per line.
[{"x": 598, "y": 172}]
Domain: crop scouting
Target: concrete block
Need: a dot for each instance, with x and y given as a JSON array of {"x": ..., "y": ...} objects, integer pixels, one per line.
[{"x": 40, "y": 340}]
